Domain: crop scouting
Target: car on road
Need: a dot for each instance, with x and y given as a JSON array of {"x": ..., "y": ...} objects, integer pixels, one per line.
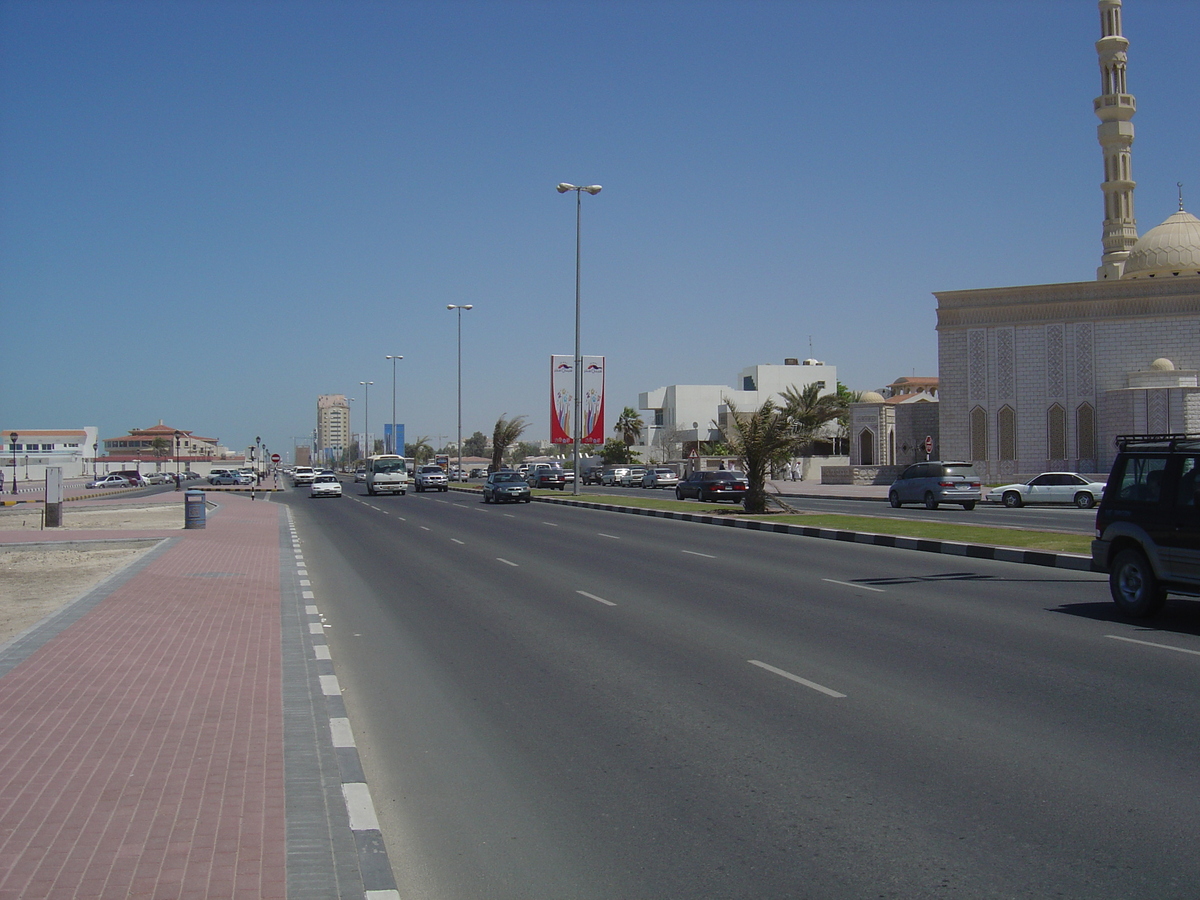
[
  {"x": 479, "y": 472},
  {"x": 506, "y": 486},
  {"x": 224, "y": 478},
  {"x": 360, "y": 475},
  {"x": 1049, "y": 487},
  {"x": 325, "y": 486},
  {"x": 1148, "y": 522},
  {"x": 613, "y": 474},
  {"x": 109, "y": 481},
  {"x": 303, "y": 475},
  {"x": 713, "y": 486},
  {"x": 936, "y": 482},
  {"x": 549, "y": 478},
  {"x": 431, "y": 478},
  {"x": 659, "y": 477}
]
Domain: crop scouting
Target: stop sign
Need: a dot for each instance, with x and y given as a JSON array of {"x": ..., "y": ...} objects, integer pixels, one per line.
[{"x": 275, "y": 457}]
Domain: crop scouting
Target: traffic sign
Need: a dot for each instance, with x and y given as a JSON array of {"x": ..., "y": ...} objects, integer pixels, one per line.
[
  {"x": 275, "y": 457},
  {"x": 929, "y": 443}
]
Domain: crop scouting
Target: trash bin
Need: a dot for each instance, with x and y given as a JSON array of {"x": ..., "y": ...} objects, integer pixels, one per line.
[{"x": 193, "y": 509}]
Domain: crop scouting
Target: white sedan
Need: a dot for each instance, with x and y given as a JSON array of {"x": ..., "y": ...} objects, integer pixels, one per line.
[
  {"x": 1050, "y": 487},
  {"x": 325, "y": 486},
  {"x": 658, "y": 477}
]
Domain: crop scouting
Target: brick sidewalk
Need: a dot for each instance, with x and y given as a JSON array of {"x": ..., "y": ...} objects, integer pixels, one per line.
[{"x": 142, "y": 732}]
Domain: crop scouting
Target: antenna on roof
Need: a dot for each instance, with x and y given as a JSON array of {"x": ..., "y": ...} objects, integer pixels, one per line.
[
  {"x": 1179, "y": 184},
  {"x": 810, "y": 352}
]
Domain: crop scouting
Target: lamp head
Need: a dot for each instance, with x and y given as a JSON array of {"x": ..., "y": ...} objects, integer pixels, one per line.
[
  {"x": 564, "y": 187},
  {"x": 593, "y": 188}
]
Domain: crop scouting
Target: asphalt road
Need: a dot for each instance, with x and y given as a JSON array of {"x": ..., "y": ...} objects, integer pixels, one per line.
[{"x": 562, "y": 703}]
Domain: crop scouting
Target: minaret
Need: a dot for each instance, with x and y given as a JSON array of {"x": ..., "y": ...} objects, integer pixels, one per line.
[{"x": 1115, "y": 108}]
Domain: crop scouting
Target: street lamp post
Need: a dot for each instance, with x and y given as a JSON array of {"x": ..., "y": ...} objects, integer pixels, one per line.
[
  {"x": 459, "y": 308},
  {"x": 392, "y": 441},
  {"x": 367, "y": 416},
  {"x": 12, "y": 442},
  {"x": 591, "y": 189},
  {"x": 178, "y": 471}
]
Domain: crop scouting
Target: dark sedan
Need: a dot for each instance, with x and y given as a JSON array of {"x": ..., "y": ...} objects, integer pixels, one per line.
[
  {"x": 504, "y": 486},
  {"x": 548, "y": 478},
  {"x": 714, "y": 487}
]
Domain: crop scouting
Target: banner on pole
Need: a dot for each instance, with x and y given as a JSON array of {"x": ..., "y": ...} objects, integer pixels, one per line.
[{"x": 562, "y": 400}]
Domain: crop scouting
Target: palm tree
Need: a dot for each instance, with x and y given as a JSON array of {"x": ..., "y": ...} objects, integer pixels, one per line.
[
  {"x": 629, "y": 426},
  {"x": 505, "y": 435},
  {"x": 760, "y": 440},
  {"x": 809, "y": 410},
  {"x": 420, "y": 449}
]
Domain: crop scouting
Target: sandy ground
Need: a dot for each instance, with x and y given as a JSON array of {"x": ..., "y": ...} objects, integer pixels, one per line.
[{"x": 36, "y": 581}]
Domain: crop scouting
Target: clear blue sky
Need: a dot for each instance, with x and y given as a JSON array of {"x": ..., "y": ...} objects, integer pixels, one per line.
[{"x": 212, "y": 212}]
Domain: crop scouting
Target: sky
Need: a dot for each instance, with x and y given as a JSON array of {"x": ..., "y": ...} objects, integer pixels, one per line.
[{"x": 212, "y": 212}]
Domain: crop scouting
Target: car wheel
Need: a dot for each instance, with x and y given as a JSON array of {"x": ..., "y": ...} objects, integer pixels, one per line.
[
  {"x": 969, "y": 505},
  {"x": 930, "y": 500},
  {"x": 528, "y": 499},
  {"x": 1084, "y": 500},
  {"x": 678, "y": 494},
  {"x": 1134, "y": 586},
  {"x": 894, "y": 499},
  {"x": 370, "y": 491},
  {"x": 1012, "y": 500}
]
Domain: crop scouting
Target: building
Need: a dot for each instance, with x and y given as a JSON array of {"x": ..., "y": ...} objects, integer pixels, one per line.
[
  {"x": 33, "y": 449},
  {"x": 333, "y": 426},
  {"x": 161, "y": 442},
  {"x": 687, "y": 413},
  {"x": 1043, "y": 377}
]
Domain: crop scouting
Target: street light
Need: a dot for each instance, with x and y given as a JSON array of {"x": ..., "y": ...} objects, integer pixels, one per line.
[
  {"x": 392, "y": 441},
  {"x": 591, "y": 189},
  {"x": 459, "y": 308},
  {"x": 367, "y": 416},
  {"x": 12, "y": 441}
]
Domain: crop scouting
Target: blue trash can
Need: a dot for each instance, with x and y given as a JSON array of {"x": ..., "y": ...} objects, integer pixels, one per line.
[{"x": 193, "y": 509}]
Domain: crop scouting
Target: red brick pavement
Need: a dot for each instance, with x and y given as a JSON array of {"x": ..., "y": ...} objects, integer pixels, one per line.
[{"x": 141, "y": 749}]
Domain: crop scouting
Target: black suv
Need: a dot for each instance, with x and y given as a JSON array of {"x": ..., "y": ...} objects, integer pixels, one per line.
[{"x": 1148, "y": 523}]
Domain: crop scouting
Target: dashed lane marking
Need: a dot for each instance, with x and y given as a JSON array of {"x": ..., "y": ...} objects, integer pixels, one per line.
[
  {"x": 597, "y": 599},
  {"x": 1117, "y": 637},
  {"x": 851, "y": 584},
  {"x": 796, "y": 678},
  {"x": 695, "y": 553}
]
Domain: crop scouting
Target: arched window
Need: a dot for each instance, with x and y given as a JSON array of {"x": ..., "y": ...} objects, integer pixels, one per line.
[
  {"x": 1085, "y": 431},
  {"x": 979, "y": 434},
  {"x": 1056, "y": 432},
  {"x": 1006, "y": 429},
  {"x": 866, "y": 447}
]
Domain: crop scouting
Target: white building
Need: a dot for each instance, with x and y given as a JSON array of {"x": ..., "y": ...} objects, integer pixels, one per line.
[
  {"x": 686, "y": 413},
  {"x": 1045, "y": 376},
  {"x": 71, "y": 449},
  {"x": 333, "y": 426}
]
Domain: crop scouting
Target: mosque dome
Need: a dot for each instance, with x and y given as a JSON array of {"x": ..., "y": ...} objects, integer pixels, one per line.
[
  {"x": 1162, "y": 364},
  {"x": 1173, "y": 248},
  {"x": 871, "y": 397}
]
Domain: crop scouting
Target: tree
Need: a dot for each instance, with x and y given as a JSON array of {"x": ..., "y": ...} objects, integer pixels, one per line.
[
  {"x": 760, "y": 440},
  {"x": 420, "y": 449},
  {"x": 475, "y": 445},
  {"x": 524, "y": 450},
  {"x": 629, "y": 426},
  {"x": 505, "y": 435},
  {"x": 160, "y": 446},
  {"x": 615, "y": 452},
  {"x": 808, "y": 410}
]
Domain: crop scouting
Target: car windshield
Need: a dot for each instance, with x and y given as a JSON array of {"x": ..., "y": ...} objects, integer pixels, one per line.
[
  {"x": 432, "y": 470},
  {"x": 388, "y": 465},
  {"x": 500, "y": 477},
  {"x": 322, "y": 479}
]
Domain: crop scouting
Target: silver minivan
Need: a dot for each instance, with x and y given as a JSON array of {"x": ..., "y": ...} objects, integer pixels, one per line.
[{"x": 936, "y": 482}]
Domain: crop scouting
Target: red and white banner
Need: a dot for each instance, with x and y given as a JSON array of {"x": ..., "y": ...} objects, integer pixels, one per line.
[{"x": 562, "y": 400}]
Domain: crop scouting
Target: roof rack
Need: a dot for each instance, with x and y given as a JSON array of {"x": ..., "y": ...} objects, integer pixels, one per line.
[{"x": 1159, "y": 441}]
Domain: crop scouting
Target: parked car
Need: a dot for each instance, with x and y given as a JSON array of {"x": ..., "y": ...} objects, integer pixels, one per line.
[
  {"x": 713, "y": 487},
  {"x": 633, "y": 478},
  {"x": 547, "y": 478},
  {"x": 505, "y": 486},
  {"x": 109, "y": 481},
  {"x": 246, "y": 476},
  {"x": 659, "y": 477},
  {"x": 431, "y": 478},
  {"x": 479, "y": 472},
  {"x": 1049, "y": 487},
  {"x": 1148, "y": 522},
  {"x": 325, "y": 486},
  {"x": 133, "y": 476},
  {"x": 614, "y": 474},
  {"x": 224, "y": 478},
  {"x": 160, "y": 478},
  {"x": 936, "y": 482}
]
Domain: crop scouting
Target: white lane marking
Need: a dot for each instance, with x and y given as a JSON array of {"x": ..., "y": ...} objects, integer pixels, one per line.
[
  {"x": 551, "y": 524},
  {"x": 402, "y": 519},
  {"x": 1117, "y": 637},
  {"x": 694, "y": 553},
  {"x": 457, "y": 541},
  {"x": 613, "y": 536},
  {"x": 796, "y": 678},
  {"x": 304, "y": 582},
  {"x": 509, "y": 516},
  {"x": 423, "y": 528},
  {"x": 340, "y": 730},
  {"x": 308, "y": 595},
  {"x": 597, "y": 599},
  {"x": 360, "y": 807},
  {"x": 329, "y": 685},
  {"x": 851, "y": 584},
  {"x": 312, "y": 610},
  {"x": 316, "y": 628},
  {"x": 506, "y": 562},
  {"x": 302, "y": 571},
  {"x": 321, "y": 651}
]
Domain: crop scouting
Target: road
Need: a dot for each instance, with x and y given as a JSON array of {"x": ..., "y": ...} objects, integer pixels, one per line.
[{"x": 555, "y": 702}]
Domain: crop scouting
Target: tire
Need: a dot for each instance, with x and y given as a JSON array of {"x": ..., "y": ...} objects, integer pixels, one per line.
[
  {"x": 485, "y": 499},
  {"x": 1134, "y": 586},
  {"x": 1012, "y": 500},
  {"x": 678, "y": 494},
  {"x": 969, "y": 505},
  {"x": 370, "y": 491},
  {"x": 930, "y": 500},
  {"x": 528, "y": 499},
  {"x": 894, "y": 499},
  {"x": 1084, "y": 500}
]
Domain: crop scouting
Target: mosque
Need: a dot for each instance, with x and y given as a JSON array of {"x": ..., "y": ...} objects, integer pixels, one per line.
[{"x": 1043, "y": 377}]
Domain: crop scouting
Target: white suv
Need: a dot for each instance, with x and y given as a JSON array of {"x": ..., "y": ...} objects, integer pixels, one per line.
[{"x": 431, "y": 478}]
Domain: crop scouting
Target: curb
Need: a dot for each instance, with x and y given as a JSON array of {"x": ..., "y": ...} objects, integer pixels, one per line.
[{"x": 1042, "y": 558}]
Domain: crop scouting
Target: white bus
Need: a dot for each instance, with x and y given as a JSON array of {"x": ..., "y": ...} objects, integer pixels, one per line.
[{"x": 387, "y": 472}]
